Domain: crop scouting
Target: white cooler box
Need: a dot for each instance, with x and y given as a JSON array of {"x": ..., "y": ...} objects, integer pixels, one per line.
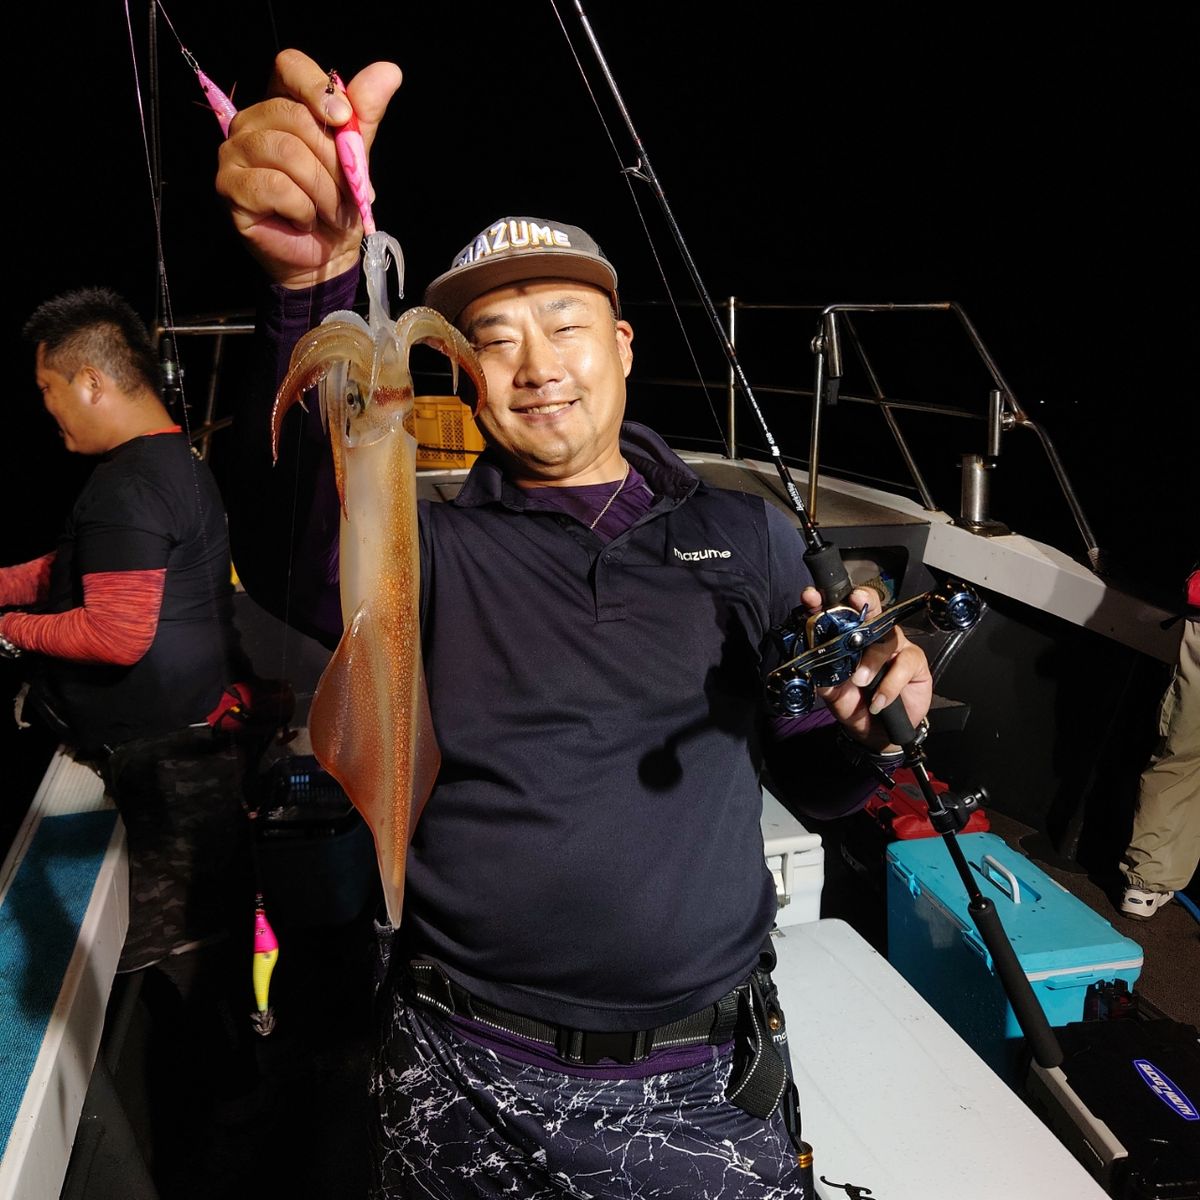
[
  {"x": 796, "y": 860},
  {"x": 894, "y": 1103}
]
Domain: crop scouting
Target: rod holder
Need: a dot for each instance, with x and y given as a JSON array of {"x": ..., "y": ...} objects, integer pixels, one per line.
[{"x": 976, "y": 497}]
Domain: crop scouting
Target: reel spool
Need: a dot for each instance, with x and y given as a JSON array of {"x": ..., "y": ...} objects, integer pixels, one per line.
[{"x": 824, "y": 649}]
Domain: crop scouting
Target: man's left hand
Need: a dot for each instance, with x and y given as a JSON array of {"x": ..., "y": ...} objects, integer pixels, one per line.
[{"x": 907, "y": 677}]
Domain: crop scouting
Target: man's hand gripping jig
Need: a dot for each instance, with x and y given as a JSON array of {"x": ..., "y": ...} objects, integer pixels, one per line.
[{"x": 280, "y": 175}]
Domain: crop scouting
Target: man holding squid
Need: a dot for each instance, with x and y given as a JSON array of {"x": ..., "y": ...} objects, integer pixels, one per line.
[{"x": 576, "y": 990}]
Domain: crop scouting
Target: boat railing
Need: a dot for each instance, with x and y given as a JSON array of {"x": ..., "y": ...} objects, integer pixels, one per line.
[
  {"x": 837, "y": 337},
  {"x": 837, "y": 330},
  {"x": 218, "y": 327}
]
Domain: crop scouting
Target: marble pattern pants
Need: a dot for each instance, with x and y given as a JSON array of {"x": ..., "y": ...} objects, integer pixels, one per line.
[{"x": 458, "y": 1121}]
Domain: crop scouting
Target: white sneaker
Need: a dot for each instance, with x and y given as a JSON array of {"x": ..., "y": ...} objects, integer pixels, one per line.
[{"x": 1141, "y": 904}]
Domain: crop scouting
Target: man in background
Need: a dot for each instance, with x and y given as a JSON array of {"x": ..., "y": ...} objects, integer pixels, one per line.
[
  {"x": 126, "y": 630},
  {"x": 1165, "y": 847}
]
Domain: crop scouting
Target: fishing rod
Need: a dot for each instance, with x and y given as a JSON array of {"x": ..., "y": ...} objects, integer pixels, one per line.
[
  {"x": 822, "y": 649},
  {"x": 821, "y": 556},
  {"x": 827, "y": 646},
  {"x": 242, "y": 705}
]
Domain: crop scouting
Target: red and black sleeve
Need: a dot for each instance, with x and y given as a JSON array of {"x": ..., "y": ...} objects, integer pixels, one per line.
[
  {"x": 25, "y": 583},
  {"x": 115, "y": 624}
]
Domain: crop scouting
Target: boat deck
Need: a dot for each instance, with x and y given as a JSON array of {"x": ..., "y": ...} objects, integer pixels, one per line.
[
  {"x": 313, "y": 1117},
  {"x": 314, "y": 1113}
]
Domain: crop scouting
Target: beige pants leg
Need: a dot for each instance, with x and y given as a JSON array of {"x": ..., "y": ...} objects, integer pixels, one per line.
[{"x": 1165, "y": 847}]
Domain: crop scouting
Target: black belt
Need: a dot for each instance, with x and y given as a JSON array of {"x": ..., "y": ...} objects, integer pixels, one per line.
[{"x": 714, "y": 1025}]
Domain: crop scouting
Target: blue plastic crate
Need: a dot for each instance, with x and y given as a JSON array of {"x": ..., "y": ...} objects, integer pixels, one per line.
[{"x": 1062, "y": 945}]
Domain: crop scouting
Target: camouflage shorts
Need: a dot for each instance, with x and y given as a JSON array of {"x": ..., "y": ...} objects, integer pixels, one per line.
[{"x": 180, "y": 797}]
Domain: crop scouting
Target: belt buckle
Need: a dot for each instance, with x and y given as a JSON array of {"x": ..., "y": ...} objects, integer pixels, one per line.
[{"x": 589, "y": 1047}]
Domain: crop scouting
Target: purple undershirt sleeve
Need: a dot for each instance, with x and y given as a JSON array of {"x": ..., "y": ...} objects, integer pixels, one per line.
[
  {"x": 283, "y": 516},
  {"x": 807, "y": 772}
]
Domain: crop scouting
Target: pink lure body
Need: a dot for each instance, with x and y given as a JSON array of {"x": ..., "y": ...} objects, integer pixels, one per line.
[
  {"x": 220, "y": 103},
  {"x": 352, "y": 154},
  {"x": 264, "y": 936}
]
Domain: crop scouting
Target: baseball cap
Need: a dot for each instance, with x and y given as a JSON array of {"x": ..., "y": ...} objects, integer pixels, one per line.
[{"x": 516, "y": 248}]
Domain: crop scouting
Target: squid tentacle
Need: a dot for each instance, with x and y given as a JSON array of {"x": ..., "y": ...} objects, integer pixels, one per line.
[{"x": 370, "y": 719}]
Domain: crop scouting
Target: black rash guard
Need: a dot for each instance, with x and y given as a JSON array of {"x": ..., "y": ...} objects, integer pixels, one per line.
[{"x": 148, "y": 505}]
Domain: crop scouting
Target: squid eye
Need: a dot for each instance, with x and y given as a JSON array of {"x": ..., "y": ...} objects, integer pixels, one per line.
[{"x": 355, "y": 405}]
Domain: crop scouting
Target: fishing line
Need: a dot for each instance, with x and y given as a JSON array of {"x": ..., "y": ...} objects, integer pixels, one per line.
[
  {"x": 628, "y": 173},
  {"x": 263, "y": 1020},
  {"x": 154, "y": 177},
  {"x": 187, "y": 54},
  {"x": 194, "y": 65},
  {"x": 813, "y": 540}
]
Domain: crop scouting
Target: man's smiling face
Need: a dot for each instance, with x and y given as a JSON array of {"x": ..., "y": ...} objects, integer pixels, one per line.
[{"x": 556, "y": 362}]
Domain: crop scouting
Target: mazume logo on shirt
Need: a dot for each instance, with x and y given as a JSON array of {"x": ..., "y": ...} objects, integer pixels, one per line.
[{"x": 700, "y": 555}]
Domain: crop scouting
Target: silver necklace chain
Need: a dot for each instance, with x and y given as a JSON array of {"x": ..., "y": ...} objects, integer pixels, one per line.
[{"x": 611, "y": 498}]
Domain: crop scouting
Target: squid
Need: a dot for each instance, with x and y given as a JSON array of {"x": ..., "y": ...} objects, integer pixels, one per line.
[{"x": 370, "y": 721}]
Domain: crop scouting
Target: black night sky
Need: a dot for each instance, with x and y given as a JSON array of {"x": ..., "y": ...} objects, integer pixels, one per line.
[
  {"x": 1030, "y": 161},
  {"x": 1033, "y": 162}
]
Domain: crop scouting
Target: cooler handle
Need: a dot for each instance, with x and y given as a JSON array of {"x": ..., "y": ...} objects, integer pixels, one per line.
[{"x": 1014, "y": 887}]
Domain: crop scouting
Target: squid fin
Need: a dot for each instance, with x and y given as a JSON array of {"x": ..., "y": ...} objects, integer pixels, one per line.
[{"x": 373, "y": 732}]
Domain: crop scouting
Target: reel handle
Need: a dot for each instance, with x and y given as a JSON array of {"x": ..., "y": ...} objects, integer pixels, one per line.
[{"x": 823, "y": 650}]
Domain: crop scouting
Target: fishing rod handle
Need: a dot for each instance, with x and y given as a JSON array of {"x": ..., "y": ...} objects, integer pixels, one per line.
[
  {"x": 1025, "y": 1005},
  {"x": 894, "y": 720},
  {"x": 829, "y": 573},
  {"x": 1043, "y": 1043}
]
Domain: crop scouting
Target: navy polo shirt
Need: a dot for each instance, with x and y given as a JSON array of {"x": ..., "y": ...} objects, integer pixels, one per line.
[{"x": 592, "y": 853}]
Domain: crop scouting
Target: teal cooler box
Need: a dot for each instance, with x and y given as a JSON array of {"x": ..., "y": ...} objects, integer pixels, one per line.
[{"x": 1061, "y": 944}]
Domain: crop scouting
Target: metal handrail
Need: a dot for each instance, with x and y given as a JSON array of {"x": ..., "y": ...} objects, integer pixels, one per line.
[
  {"x": 1009, "y": 413},
  {"x": 833, "y": 319},
  {"x": 216, "y": 327}
]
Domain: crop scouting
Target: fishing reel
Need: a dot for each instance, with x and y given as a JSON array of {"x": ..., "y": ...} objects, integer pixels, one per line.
[{"x": 823, "y": 649}]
